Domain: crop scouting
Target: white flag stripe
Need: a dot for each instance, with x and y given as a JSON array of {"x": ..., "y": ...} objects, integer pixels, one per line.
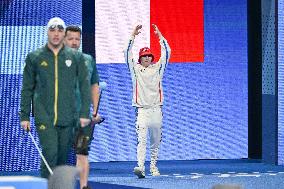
[{"x": 115, "y": 20}]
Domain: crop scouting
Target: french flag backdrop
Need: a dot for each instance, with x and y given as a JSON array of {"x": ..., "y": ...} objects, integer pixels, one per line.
[
  {"x": 205, "y": 84},
  {"x": 181, "y": 22}
]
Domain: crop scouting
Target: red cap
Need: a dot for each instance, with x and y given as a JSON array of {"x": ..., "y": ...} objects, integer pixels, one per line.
[{"x": 145, "y": 51}]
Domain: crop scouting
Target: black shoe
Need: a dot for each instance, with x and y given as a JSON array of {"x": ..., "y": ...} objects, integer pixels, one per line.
[
  {"x": 87, "y": 187},
  {"x": 139, "y": 172}
]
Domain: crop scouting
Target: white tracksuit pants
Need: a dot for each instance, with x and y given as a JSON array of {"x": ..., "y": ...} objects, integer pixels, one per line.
[{"x": 148, "y": 119}]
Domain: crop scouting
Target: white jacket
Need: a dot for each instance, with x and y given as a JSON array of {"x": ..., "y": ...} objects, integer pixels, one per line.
[{"x": 147, "y": 82}]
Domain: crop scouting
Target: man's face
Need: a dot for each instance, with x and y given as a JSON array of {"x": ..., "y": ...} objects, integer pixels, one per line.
[
  {"x": 73, "y": 39},
  {"x": 55, "y": 36},
  {"x": 146, "y": 60}
]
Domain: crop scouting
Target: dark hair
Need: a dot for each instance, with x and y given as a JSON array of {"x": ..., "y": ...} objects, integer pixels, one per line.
[{"x": 73, "y": 29}]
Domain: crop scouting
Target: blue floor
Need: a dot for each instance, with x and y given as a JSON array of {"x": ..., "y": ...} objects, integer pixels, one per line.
[{"x": 196, "y": 174}]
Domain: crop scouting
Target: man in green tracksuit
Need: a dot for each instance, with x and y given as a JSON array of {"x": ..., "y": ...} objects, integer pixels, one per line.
[
  {"x": 73, "y": 40},
  {"x": 50, "y": 78}
]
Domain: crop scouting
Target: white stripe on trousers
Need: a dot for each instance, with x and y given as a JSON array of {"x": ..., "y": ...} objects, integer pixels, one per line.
[{"x": 148, "y": 119}]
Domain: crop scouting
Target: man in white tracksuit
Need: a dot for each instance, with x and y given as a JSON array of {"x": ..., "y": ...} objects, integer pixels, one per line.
[{"x": 147, "y": 98}]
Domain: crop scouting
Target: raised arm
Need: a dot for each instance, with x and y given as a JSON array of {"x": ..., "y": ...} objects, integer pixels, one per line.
[
  {"x": 128, "y": 55},
  {"x": 165, "y": 50}
]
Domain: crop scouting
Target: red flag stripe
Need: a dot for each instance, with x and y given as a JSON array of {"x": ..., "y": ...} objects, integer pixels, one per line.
[{"x": 181, "y": 22}]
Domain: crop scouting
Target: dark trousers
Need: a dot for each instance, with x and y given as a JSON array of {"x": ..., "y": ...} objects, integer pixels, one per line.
[{"x": 55, "y": 142}]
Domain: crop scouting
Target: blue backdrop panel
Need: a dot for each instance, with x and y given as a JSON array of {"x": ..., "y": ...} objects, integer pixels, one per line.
[
  {"x": 202, "y": 119},
  {"x": 280, "y": 82},
  {"x": 205, "y": 110},
  {"x": 38, "y": 12},
  {"x": 22, "y": 29}
]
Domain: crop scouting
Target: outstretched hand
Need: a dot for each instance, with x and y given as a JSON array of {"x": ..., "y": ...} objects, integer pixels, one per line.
[
  {"x": 156, "y": 30},
  {"x": 137, "y": 30}
]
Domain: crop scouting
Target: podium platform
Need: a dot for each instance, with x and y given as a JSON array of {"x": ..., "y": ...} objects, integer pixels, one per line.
[{"x": 22, "y": 182}]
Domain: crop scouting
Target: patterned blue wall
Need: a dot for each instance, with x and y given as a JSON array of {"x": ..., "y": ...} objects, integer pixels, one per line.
[
  {"x": 281, "y": 82},
  {"x": 205, "y": 110},
  {"x": 22, "y": 29},
  {"x": 269, "y": 122}
]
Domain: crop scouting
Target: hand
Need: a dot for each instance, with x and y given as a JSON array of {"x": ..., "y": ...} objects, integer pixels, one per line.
[
  {"x": 84, "y": 122},
  {"x": 156, "y": 30},
  {"x": 96, "y": 118},
  {"x": 136, "y": 30},
  {"x": 25, "y": 125}
]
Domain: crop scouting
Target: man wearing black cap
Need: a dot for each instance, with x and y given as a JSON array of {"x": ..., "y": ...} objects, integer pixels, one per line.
[
  {"x": 147, "y": 98},
  {"x": 49, "y": 81}
]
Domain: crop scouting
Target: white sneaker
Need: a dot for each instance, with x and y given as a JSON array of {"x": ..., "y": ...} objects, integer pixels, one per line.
[
  {"x": 139, "y": 172},
  {"x": 154, "y": 171}
]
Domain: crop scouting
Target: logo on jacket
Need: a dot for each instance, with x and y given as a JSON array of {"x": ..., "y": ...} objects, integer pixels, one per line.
[
  {"x": 42, "y": 127},
  {"x": 86, "y": 63},
  {"x": 44, "y": 64},
  {"x": 68, "y": 63}
]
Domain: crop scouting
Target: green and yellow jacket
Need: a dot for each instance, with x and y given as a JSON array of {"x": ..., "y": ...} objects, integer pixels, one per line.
[{"x": 50, "y": 81}]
